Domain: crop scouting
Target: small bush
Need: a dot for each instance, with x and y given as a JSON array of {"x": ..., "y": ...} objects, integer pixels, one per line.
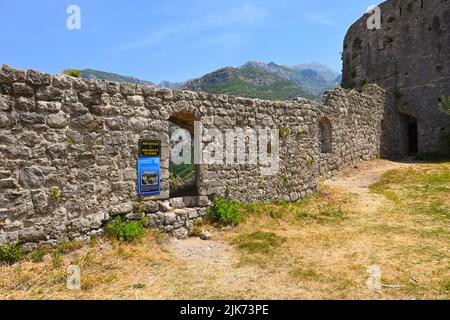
[
  {"x": 284, "y": 133},
  {"x": 11, "y": 254},
  {"x": 224, "y": 212},
  {"x": 126, "y": 231},
  {"x": 444, "y": 105},
  {"x": 73, "y": 73},
  {"x": 55, "y": 194}
]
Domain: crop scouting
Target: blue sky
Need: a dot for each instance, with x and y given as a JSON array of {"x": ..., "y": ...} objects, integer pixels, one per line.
[{"x": 174, "y": 40}]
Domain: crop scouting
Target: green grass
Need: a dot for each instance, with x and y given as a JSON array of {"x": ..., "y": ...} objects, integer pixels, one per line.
[
  {"x": 313, "y": 209},
  {"x": 258, "y": 242},
  {"x": 304, "y": 273},
  {"x": 423, "y": 192}
]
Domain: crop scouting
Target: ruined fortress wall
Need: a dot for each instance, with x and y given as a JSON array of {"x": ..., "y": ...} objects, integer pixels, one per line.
[
  {"x": 410, "y": 58},
  {"x": 68, "y": 151}
]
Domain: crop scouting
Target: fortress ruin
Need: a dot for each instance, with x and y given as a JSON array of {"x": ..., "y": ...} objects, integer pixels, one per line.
[
  {"x": 410, "y": 58},
  {"x": 69, "y": 150}
]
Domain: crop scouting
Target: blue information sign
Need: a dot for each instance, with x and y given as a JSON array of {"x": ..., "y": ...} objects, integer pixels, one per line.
[{"x": 149, "y": 171}]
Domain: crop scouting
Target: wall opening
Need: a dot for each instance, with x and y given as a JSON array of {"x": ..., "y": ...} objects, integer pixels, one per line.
[
  {"x": 325, "y": 135},
  {"x": 411, "y": 133},
  {"x": 183, "y": 173}
]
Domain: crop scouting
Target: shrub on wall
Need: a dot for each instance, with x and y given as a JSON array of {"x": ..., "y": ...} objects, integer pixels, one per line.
[
  {"x": 224, "y": 212},
  {"x": 444, "y": 135},
  {"x": 444, "y": 105},
  {"x": 73, "y": 73}
]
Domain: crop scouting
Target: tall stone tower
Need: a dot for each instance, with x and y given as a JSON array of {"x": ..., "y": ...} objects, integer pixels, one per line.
[{"x": 409, "y": 57}]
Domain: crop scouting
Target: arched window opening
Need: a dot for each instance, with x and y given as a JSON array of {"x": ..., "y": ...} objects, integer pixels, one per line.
[
  {"x": 183, "y": 173},
  {"x": 325, "y": 136}
]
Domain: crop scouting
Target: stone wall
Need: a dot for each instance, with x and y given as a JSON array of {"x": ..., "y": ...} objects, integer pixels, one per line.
[
  {"x": 410, "y": 58},
  {"x": 68, "y": 151}
]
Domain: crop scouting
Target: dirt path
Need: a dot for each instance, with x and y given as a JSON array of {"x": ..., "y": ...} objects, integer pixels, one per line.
[
  {"x": 357, "y": 179},
  {"x": 213, "y": 252}
]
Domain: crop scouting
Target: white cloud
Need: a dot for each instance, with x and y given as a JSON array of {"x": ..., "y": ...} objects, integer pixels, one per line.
[
  {"x": 325, "y": 19},
  {"x": 244, "y": 16}
]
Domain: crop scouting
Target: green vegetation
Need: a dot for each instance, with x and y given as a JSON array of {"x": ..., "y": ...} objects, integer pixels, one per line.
[
  {"x": 444, "y": 105},
  {"x": 181, "y": 176},
  {"x": 73, "y": 73},
  {"x": 5, "y": 66},
  {"x": 444, "y": 134},
  {"x": 310, "y": 210},
  {"x": 224, "y": 212},
  {"x": 37, "y": 256},
  {"x": 424, "y": 192},
  {"x": 282, "y": 90},
  {"x": 11, "y": 254},
  {"x": 126, "y": 231},
  {"x": 108, "y": 76},
  {"x": 304, "y": 273},
  {"x": 258, "y": 242},
  {"x": 251, "y": 83},
  {"x": 284, "y": 133},
  {"x": 55, "y": 194}
]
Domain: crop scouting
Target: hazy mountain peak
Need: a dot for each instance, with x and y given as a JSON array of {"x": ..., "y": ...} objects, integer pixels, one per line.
[
  {"x": 254, "y": 79},
  {"x": 102, "y": 75}
]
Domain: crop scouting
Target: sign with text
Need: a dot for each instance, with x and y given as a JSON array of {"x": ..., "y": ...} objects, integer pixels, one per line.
[
  {"x": 149, "y": 168},
  {"x": 150, "y": 149},
  {"x": 149, "y": 176}
]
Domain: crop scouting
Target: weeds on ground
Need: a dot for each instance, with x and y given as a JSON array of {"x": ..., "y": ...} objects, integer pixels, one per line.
[
  {"x": 10, "y": 254},
  {"x": 224, "y": 212},
  {"x": 126, "y": 231}
]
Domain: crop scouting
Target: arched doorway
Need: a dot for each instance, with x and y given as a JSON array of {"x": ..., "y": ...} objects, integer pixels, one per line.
[
  {"x": 183, "y": 172},
  {"x": 410, "y": 130},
  {"x": 325, "y": 136}
]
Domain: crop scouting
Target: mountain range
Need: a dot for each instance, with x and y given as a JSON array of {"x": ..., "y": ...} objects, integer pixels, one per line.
[{"x": 252, "y": 80}]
